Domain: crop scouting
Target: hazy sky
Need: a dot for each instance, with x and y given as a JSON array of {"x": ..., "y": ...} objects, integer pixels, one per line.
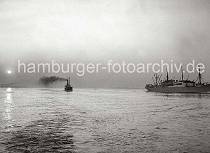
[{"x": 134, "y": 30}]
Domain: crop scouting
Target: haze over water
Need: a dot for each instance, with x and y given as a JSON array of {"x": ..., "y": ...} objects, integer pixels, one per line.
[{"x": 99, "y": 120}]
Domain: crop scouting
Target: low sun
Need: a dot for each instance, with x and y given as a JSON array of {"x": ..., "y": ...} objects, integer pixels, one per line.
[{"x": 9, "y": 72}]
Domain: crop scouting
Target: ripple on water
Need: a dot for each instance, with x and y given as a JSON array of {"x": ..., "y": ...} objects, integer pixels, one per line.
[{"x": 41, "y": 136}]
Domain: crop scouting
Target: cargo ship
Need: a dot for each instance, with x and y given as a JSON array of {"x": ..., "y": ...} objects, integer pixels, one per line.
[
  {"x": 68, "y": 87},
  {"x": 178, "y": 86}
]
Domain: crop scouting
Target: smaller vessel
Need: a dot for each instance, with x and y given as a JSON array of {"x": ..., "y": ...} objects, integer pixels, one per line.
[{"x": 68, "y": 87}]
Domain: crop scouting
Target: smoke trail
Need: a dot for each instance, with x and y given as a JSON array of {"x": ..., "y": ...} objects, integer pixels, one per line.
[{"x": 51, "y": 79}]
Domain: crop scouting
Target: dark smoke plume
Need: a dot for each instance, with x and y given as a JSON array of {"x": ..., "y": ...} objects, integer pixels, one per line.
[{"x": 51, "y": 79}]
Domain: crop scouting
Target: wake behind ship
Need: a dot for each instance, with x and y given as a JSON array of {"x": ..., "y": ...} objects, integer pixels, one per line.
[{"x": 178, "y": 86}]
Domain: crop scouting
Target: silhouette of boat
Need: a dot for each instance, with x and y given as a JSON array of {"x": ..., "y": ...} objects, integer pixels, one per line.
[
  {"x": 178, "y": 86},
  {"x": 68, "y": 87}
]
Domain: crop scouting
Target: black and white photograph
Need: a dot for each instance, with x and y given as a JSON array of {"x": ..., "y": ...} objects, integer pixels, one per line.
[{"x": 104, "y": 76}]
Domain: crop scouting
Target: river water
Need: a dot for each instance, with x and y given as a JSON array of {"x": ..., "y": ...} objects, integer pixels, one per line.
[{"x": 102, "y": 121}]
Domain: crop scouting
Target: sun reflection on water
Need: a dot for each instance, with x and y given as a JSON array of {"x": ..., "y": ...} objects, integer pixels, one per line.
[
  {"x": 9, "y": 90},
  {"x": 8, "y": 105}
]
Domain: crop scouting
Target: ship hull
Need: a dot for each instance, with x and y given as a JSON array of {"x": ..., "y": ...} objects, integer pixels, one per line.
[
  {"x": 201, "y": 89},
  {"x": 68, "y": 88}
]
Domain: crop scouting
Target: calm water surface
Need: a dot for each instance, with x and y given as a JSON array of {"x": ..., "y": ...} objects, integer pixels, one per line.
[{"x": 102, "y": 121}]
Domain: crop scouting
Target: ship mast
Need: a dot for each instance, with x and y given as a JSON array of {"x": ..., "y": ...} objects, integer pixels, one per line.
[
  {"x": 166, "y": 74},
  {"x": 156, "y": 78},
  {"x": 182, "y": 74},
  {"x": 199, "y": 76}
]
